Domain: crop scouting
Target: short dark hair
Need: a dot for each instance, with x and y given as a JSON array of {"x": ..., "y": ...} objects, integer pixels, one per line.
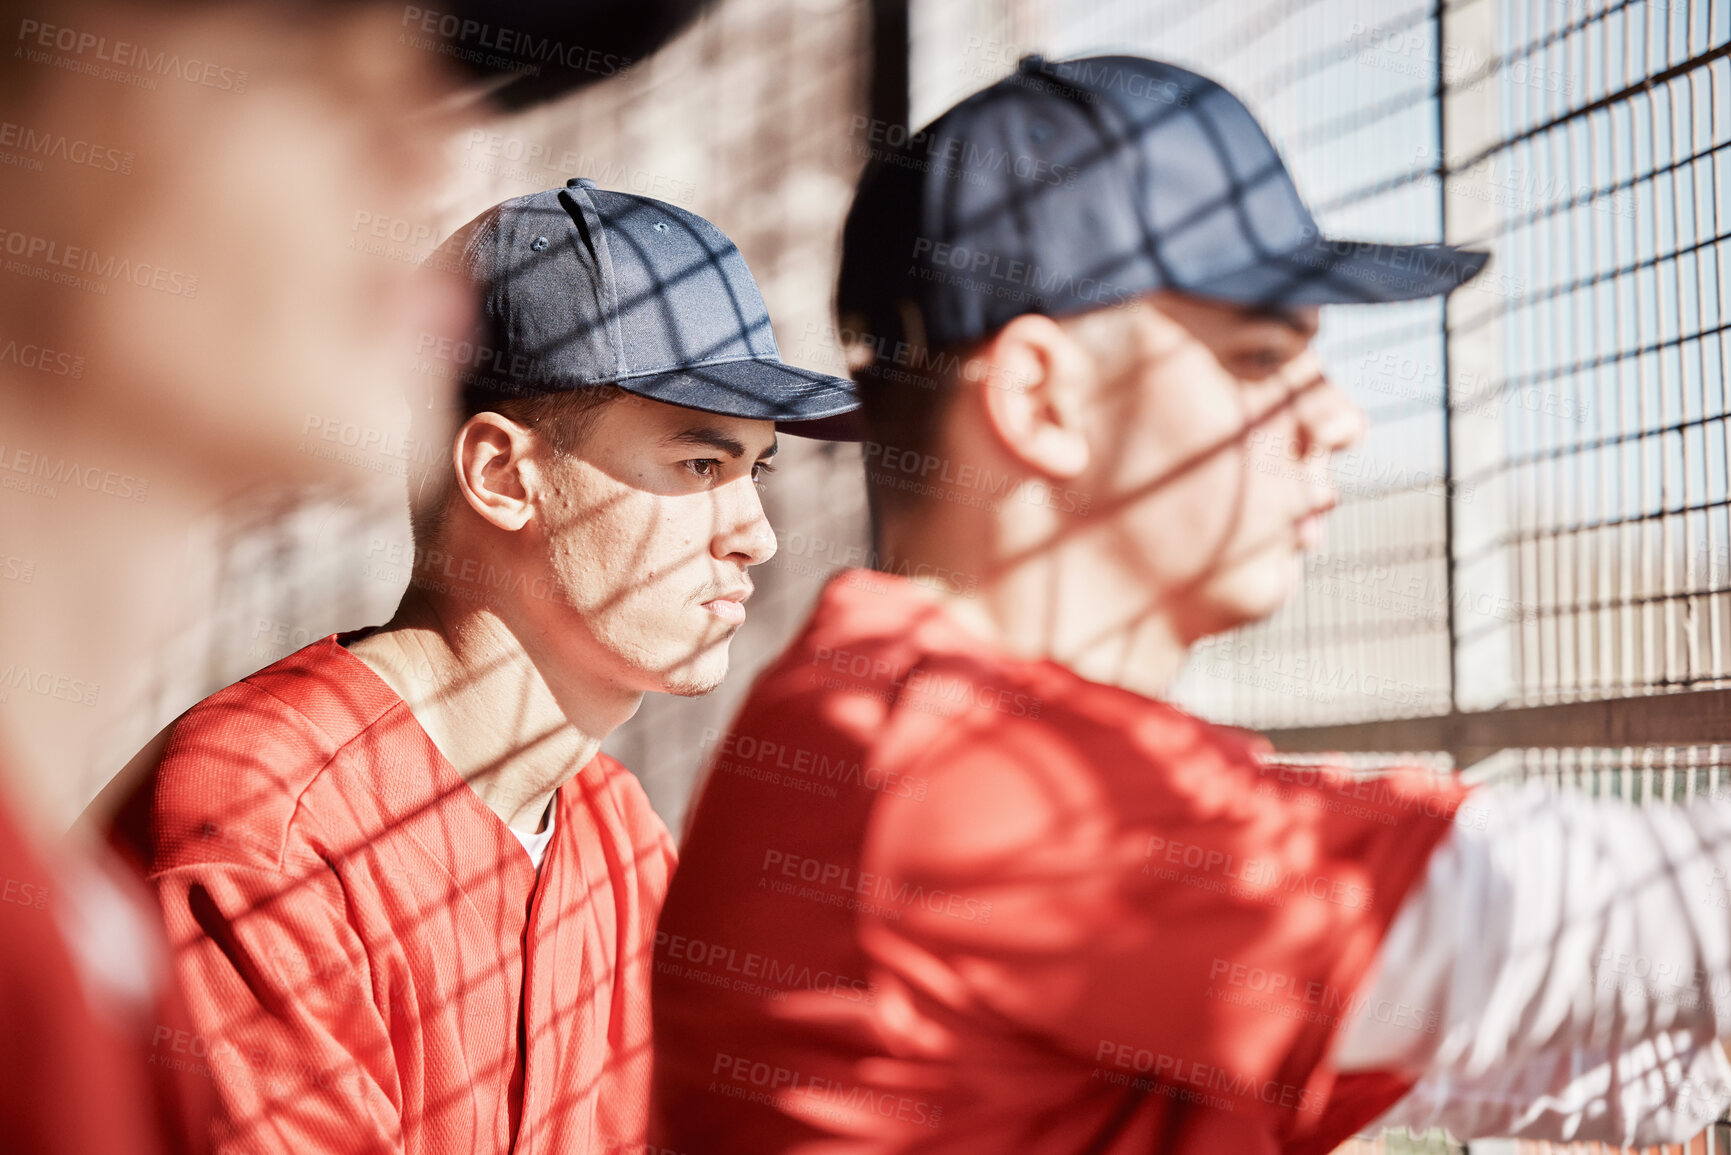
[
  {"x": 564, "y": 418},
  {"x": 903, "y": 409}
]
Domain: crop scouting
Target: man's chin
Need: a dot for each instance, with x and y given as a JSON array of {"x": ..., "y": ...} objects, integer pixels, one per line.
[
  {"x": 700, "y": 675},
  {"x": 692, "y": 687},
  {"x": 1255, "y": 595}
]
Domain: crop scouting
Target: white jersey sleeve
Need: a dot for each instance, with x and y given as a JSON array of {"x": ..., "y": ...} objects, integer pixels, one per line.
[{"x": 1570, "y": 960}]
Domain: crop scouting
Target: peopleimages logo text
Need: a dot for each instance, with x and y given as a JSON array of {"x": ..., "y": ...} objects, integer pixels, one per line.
[
  {"x": 38, "y": 38},
  {"x": 466, "y": 33},
  {"x": 78, "y": 259}
]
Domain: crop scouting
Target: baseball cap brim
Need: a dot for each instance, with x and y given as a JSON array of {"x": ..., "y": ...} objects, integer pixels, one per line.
[
  {"x": 1346, "y": 273},
  {"x": 539, "y": 50},
  {"x": 802, "y": 402}
]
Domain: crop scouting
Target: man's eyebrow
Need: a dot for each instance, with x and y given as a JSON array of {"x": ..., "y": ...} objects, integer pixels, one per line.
[
  {"x": 1293, "y": 320},
  {"x": 710, "y": 437}
]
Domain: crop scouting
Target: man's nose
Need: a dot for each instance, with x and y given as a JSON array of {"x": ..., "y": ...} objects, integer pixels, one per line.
[
  {"x": 743, "y": 533},
  {"x": 1328, "y": 420}
]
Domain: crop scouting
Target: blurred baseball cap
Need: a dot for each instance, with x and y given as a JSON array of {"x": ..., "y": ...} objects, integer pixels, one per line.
[
  {"x": 1073, "y": 185},
  {"x": 580, "y": 286},
  {"x": 531, "y": 51}
]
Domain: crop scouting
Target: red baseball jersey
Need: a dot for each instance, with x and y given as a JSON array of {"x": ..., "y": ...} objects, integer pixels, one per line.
[
  {"x": 937, "y": 899},
  {"x": 372, "y": 962}
]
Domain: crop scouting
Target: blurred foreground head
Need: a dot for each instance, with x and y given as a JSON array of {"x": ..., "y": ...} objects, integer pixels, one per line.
[
  {"x": 182, "y": 293},
  {"x": 1080, "y": 306},
  {"x": 178, "y": 233},
  {"x": 181, "y": 192}
]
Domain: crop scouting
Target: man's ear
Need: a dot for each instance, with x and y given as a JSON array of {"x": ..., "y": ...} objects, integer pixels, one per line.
[
  {"x": 1035, "y": 379},
  {"x": 490, "y": 453}
]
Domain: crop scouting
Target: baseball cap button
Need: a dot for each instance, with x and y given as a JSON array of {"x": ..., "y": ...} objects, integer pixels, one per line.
[{"x": 581, "y": 182}]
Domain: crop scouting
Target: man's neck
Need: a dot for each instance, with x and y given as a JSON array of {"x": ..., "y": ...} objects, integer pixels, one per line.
[
  {"x": 1052, "y": 599},
  {"x": 484, "y": 703}
]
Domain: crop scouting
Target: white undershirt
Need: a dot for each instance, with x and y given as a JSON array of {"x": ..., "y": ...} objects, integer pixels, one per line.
[
  {"x": 536, "y": 844},
  {"x": 1572, "y": 956}
]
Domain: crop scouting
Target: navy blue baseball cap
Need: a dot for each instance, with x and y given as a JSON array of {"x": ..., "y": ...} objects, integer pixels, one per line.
[
  {"x": 580, "y": 287},
  {"x": 1068, "y": 186}
]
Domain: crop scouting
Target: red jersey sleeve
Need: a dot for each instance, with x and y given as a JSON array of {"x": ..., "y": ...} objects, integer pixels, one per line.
[{"x": 279, "y": 985}]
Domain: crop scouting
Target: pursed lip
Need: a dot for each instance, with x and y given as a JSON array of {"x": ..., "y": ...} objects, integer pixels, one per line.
[{"x": 729, "y": 605}]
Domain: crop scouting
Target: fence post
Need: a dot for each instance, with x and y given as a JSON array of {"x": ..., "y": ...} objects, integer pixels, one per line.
[{"x": 1478, "y": 507}]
